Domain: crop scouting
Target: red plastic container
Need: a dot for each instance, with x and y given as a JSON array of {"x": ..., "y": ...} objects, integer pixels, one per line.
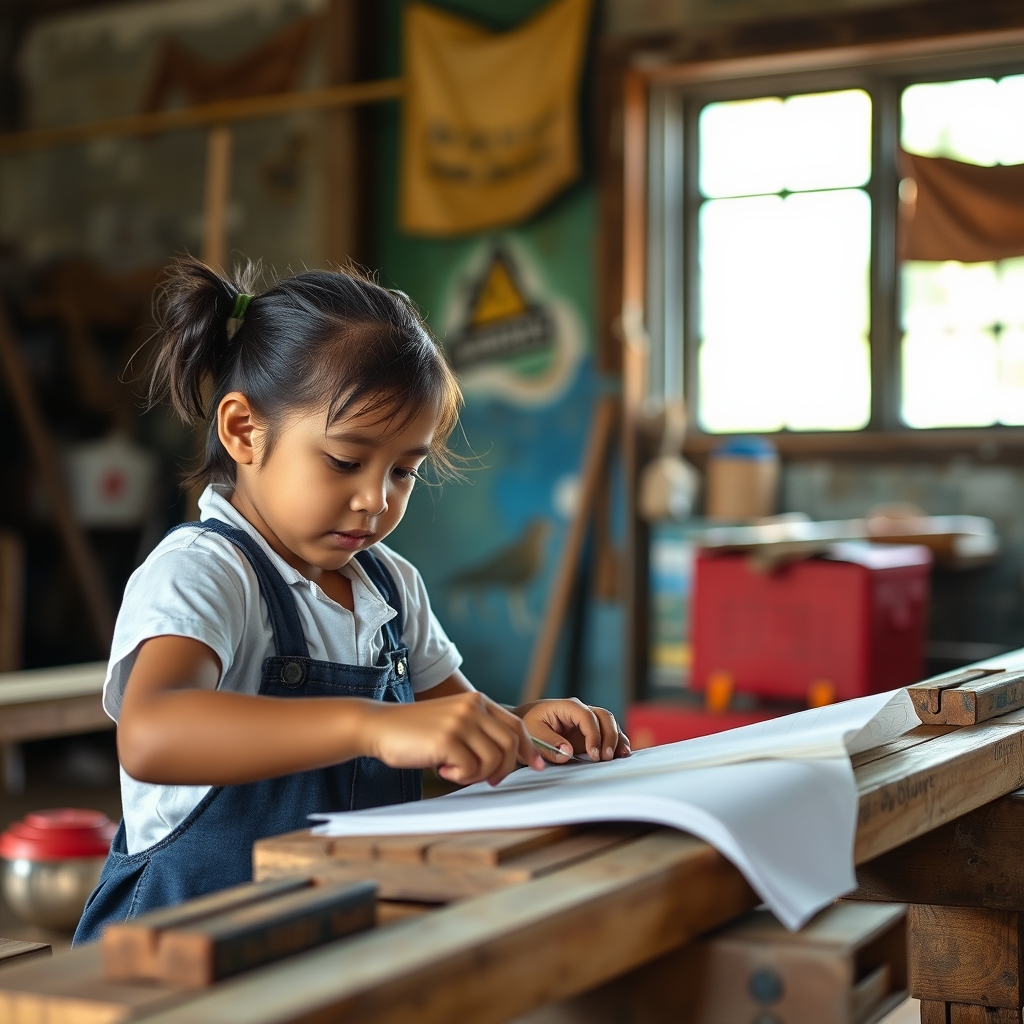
[
  {"x": 59, "y": 834},
  {"x": 856, "y": 621},
  {"x": 650, "y": 725}
]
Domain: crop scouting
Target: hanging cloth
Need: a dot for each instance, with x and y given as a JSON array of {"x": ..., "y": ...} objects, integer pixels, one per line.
[
  {"x": 961, "y": 211},
  {"x": 271, "y": 67},
  {"x": 490, "y": 131}
]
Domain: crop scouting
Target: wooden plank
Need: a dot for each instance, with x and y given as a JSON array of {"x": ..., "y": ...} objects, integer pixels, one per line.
[
  {"x": 842, "y": 968},
  {"x": 933, "y": 1012},
  {"x": 599, "y": 439},
  {"x": 922, "y": 734},
  {"x": 30, "y": 686},
  {"x": 216, "y": 196},
  {"x": 130, "y": 949},
  {"x": 973, "y": 861},
  {"x": 908, "y": 793},
  {"x": 486, "y": 849},
  {"x": 508, "y": 952},
  {"x": 204, "y": 115},
  {"x": 965, "y": 955},
  {"x": 15, "y": 951},
  {"x": 12, "y": 600},
  {"x": 404, "y": 849},
  {"x": 69, "y": 989},
  {"x": 64, "y": 717},
  {"x": 437, "y": 883},
  {"x": 214, "y": 948}
]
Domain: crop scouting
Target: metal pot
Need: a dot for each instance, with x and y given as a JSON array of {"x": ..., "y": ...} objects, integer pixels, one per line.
[
  {"x": 50, "y": 894},
  {"x": 51, "y": 863}
]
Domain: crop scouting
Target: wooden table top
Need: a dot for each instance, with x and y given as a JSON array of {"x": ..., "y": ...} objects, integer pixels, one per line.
[{"x": 505, "y": 953}]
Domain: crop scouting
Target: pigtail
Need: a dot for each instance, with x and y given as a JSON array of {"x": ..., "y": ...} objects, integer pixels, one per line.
[{"x": 191, "y": 309}]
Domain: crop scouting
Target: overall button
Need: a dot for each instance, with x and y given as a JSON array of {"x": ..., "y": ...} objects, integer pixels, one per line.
[
  {"x": 292, "y": 673},
  {"x": 400, "y": 667}
]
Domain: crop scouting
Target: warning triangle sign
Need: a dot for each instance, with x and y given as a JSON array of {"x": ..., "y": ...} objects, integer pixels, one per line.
[{"x": 498, "y": 296}]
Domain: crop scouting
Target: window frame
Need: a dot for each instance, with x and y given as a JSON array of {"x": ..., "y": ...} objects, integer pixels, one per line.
[{"x": 674, "y": 200}]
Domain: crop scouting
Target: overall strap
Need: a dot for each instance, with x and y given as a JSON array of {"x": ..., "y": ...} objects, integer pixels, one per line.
[
  {"x": 383, "y": 581},
  {"x": 289, "y": 639}
]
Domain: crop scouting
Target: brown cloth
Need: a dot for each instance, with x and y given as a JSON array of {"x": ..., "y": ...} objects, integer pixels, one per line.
[
  {"x": 271, "y": 67},
  {"x": 961, "y": 211}
]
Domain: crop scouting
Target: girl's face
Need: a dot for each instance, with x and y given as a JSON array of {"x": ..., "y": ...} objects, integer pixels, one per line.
[{"x": 324, "y": 497}]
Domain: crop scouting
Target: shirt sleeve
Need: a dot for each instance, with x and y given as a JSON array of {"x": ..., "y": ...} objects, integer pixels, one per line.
[
  {"x": 191, "y": 586},
  {"x": 432, "y": 656}
]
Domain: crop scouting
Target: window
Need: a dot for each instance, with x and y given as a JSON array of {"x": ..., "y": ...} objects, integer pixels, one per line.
[
  {"x": 963, "y": 323},
  {"x": 776, "y": 298}
]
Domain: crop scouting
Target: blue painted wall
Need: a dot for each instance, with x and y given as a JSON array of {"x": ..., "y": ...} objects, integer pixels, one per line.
[{"x": 525, "y": 453}]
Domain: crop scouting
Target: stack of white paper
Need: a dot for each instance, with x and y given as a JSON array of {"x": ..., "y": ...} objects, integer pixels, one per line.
[{"x": 777, "y": 798}]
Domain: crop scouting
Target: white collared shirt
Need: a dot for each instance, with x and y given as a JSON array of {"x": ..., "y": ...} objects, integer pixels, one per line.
[{"x": 198, "y": 584}]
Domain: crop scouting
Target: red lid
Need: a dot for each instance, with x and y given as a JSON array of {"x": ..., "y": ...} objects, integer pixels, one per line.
[{"x": 58, "y": 834}]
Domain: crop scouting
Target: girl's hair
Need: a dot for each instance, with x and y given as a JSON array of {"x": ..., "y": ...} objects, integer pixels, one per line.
[{"x": 323, "y": 339}]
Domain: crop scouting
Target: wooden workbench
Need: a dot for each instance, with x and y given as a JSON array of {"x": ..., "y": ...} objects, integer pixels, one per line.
[
  {"x": 43, "y": 702},
  {"x": 541, "y": 943}
]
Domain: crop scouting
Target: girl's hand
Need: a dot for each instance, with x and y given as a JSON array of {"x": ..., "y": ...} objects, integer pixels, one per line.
[
  {"x": 466, "y": 737},
  {"x": 575, "y": 727}
]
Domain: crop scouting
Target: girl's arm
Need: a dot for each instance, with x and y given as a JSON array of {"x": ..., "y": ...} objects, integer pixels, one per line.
[
  {"x": 570, "y": 724},
  {"x": 176, "y": 728}
]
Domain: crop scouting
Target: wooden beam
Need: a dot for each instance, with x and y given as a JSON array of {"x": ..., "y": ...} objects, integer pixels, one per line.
[
  {"x": 44, "y": 719},
  {"x": 594, "y": 459},
  {"x": 217, "y": 196},
  {"x": 12, "y": 600},
  {"x": 204, "y": 115},
  {"x": 83, "y": 561}
]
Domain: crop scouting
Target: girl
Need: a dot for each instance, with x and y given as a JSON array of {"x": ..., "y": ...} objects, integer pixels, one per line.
[{"x": 275, "y": 658}]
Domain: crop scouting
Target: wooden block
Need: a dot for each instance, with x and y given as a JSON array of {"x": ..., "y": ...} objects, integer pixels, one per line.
[
  {"x": 69, "y": 988},
  {"x": 973, "y": 861},
  {"x": 390, "y": 911},
  {"x": 14, "y": 951},
  {"x": 908, "y": 793},
  {"x": 968, "y": 697},
  {"x": 486, "y": 849},
  {"x": 965, "y": 955},
  {"x": 213, "y": 948},
  {"x": 130, "y": 949}
]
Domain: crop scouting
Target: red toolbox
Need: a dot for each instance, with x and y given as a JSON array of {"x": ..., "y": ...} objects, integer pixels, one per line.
[
  {"x": 848, "y": 624},
  {"x": 651, "y": 724}
]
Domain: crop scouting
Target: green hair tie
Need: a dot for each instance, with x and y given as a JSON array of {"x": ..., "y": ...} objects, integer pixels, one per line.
[{"x": 238, "y": 313}]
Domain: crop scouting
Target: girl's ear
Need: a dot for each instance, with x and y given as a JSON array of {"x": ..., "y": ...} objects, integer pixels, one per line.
[{"x": 236, "y": 426}]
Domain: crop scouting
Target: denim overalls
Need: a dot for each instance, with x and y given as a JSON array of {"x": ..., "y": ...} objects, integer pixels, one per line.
[{"x": 212, "y": 848}]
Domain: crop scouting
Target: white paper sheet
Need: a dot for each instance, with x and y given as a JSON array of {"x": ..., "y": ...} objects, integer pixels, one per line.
[{"x": 777, "y": 798}]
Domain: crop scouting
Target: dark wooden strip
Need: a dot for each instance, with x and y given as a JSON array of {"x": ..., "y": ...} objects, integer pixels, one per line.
[
  {"x": 219, "y": 947},
  {"x": 129, "y": 949},
  {"x": 15, "y": 951}
]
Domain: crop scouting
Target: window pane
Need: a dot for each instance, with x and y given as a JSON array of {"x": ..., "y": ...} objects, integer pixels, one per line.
[
  {"x": 757, "y": 147},
  {"x": 950, "y": 378},
  {"x": 1011, "y": 377},
  {"x": 977, "y": 120},
  {"x": 784, "y": 312},
  {"x": 963, "y": 353}
]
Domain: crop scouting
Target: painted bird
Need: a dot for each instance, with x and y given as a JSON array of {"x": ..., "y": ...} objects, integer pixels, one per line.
[{"x": 510, "y": 569}]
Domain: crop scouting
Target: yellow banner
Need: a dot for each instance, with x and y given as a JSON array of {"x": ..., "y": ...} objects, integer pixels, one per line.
[{"x": 489, "y": 131}]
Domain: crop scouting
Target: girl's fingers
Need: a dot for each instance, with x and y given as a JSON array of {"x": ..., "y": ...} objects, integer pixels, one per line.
[
  {"x": 609, "y": 733},
  {"x": 460, "y": 766},
  {"x": 623, "y": 749},
  {"x": 574, "y": 712},
  {"x": 506, "y": 743}
]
